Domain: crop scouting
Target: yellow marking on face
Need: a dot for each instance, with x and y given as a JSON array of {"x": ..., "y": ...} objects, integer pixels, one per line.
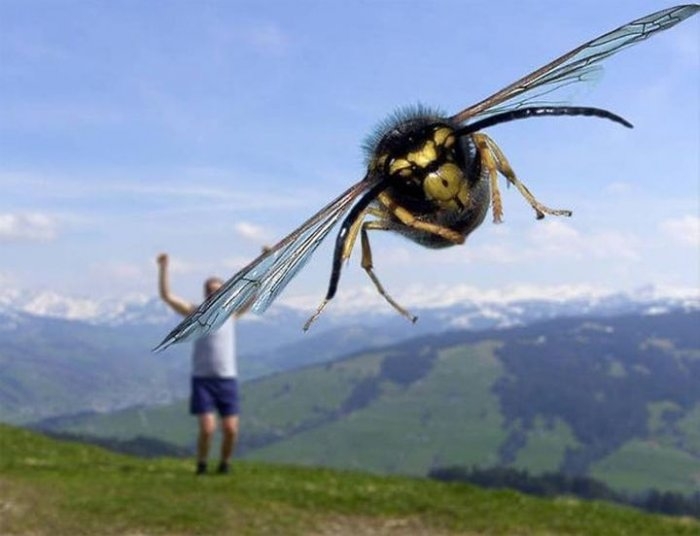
[
  {"x": 399, "y": 165},
  {"x": 424, "y": 156},
  {"x": 444, "y": 137}
]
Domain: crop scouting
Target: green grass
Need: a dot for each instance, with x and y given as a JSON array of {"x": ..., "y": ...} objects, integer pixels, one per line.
[
  {"x": 285, "y": 401},
  {"x": 167, "y": 423},
  {"x": 418, "y": 427},
  {"x": 60, "y": 488},
  {"x": 657, "y": 410},
  {"x": 640, "y": 465},
  {"x": 545, "y": 447},
  {"x": 689, "y": 427}
]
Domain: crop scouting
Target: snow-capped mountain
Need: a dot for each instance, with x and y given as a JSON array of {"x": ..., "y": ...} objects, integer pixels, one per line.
[
  {"x": 450, "y": 307},
  {"x": 134, "y": 308},
  {"x": 354, "y": 320}
]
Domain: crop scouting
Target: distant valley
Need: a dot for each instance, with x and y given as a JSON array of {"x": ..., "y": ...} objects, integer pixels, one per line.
[{"x": 614, "y": 397}]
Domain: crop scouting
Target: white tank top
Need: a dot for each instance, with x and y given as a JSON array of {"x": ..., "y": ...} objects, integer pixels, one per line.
[{"x": 214, "y": 355}]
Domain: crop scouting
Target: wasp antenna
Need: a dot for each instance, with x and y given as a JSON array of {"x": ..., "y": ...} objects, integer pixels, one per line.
[{"x": 540, "y": 111}]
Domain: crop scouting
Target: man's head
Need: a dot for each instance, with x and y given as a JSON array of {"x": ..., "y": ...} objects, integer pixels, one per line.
[{"x": 211, "y": 285}]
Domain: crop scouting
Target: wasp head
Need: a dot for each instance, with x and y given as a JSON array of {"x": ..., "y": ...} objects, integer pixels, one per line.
[{"x": 420, "y": 152}]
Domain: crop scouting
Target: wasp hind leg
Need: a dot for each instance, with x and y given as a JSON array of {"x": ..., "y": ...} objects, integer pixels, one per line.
[
  {"x": 405, "y": 219},
  {"x": 494, "y": 161},
  {"x": 368, "y": 266}
]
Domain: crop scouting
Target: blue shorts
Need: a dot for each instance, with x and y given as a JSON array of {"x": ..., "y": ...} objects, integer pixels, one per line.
[{"x": 210, "y": 394}]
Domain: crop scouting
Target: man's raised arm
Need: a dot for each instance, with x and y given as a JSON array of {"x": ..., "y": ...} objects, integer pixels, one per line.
[{"x": 176, "y": 304}]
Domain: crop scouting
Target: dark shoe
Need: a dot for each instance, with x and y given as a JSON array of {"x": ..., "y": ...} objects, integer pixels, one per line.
[
  {"x": 201, "y": 468},
  {"x": 224, "y": 468}
]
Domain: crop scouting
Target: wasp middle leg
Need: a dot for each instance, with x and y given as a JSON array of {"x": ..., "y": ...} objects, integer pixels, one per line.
[{"x": 494, "y": 161}]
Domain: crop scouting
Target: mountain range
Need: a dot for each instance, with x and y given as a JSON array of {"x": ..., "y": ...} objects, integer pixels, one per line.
[
  {"x": 61, "y": 355},
  {"x": 475, "y": 308}
]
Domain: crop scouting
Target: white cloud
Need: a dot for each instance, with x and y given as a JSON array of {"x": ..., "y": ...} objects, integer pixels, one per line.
[
  {"x": 6, "y": 280},
  {"x": 684, "y": 230},
  {"x": 618, "y": 188},
  {"x": 121, "y": 270},
  {"x": 250, "y": 231},
  {"x": 180, "y": 266},
  {"x": 29, "y": 226},
  {"x": 548, "y": 241},
  {"x": 554, "y": 232},
  {"x": 194, "y": 189},
  {"x": 147, "y": 270},
  {"x": 491, "y": 253},
  {"x": 234, "y": 264},
  {"x": 557, "y": 238},
  {"x": 614, "y": 245}
]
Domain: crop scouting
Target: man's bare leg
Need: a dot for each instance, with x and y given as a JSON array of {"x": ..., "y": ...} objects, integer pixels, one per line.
[
  {"x": 207, "y": 427},
  {"x": 229, "y": 425}
]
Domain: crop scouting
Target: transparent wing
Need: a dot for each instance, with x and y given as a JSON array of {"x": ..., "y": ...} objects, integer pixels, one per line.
[
  {"x": 260, "y": 282},
  {"x": 576, "y": 66}
]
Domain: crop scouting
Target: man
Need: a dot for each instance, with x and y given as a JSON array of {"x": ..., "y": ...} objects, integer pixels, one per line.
[{"x": 214, "y": 375}]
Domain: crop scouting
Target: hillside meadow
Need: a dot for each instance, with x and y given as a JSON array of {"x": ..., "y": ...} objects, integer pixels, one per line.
[{"x": 57, "y": 487}]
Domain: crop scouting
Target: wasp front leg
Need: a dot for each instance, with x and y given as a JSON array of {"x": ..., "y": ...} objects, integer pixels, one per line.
[
  {"x": 494, "y": 161},
  {"x": 406, "y": 217}
]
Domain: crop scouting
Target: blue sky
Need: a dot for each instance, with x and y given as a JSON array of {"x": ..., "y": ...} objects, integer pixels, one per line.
[{"x": 206, "y": 129}]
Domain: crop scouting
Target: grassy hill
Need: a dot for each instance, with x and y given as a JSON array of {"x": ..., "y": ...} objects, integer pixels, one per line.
[
  {"x": 613, "y": 398},
  {"x": 60, "y": 488}
]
